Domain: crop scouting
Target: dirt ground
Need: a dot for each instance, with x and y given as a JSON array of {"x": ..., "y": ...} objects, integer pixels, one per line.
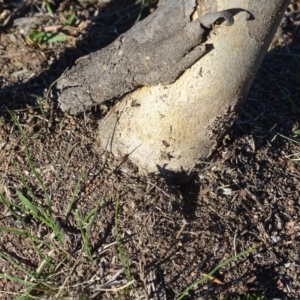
[{"x": 171, "y": 234}]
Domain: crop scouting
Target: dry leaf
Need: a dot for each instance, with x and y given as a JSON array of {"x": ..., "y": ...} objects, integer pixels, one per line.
[
  {"x": 214, "y": 279},
  {"x": 291, "y": 228}
]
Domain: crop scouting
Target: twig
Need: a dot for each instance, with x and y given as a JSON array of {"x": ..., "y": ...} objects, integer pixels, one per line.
[{"x": 48, "y": 92}]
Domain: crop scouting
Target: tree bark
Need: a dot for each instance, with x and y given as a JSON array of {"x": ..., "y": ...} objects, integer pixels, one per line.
[
  {"x": 153, "y": 52},
  {"x": 167, "y": 122}
]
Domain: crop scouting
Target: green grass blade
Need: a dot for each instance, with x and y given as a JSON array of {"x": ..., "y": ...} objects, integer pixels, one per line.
[
  {"x": 297, "y": 131},
  {"x": 17, "y": 265},
  {"x": 86, "y": 233},
  {"x": 17, "y": 280},
  {"x": 13, "y": 230},
  {"x": 89, "y": 215},
  {"x": 9, "y": 204},
  {"x": 29, "y": 205},
  {"x": 70, "y": 19},
  {"x": 32, "y": 238},
  {"x": 24, "y": 297},
  {"x": 41, "y": 216},
  {"x": 289, "y": 139},
  {"x": 24, "y": 182},
  {"x": 70, "y": 206},
  {"x": 84, "y": 236},
  {"x": 220, "y": 265},
  {"x": 93, "y": 212},
  {"x": 32, "y": 168},
  {"x": 48, "y": 6},
  {"x": 39, "y": 102},
  {"x": 36, "y": 36},
  {"x": 122, "y": 255}
]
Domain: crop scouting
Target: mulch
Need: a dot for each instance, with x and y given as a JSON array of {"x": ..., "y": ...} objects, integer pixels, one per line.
[{"x": 172, "y": 233}]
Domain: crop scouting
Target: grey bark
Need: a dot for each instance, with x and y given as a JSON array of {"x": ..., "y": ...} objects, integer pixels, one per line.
[
  {"x": 168, "y": 121},
  {"x": 155, "y": 51}
]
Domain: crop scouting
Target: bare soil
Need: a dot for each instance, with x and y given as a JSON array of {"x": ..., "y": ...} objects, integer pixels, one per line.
[{"x": 172, "y": 232}]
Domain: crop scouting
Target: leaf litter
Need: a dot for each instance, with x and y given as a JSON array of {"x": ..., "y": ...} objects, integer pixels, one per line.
[{"x": 171, "y": 235}]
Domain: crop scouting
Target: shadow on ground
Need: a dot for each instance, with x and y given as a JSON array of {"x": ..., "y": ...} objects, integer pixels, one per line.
[
  {"x": 113, "y": 19},
  {"x": 203, "y": 224}
]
